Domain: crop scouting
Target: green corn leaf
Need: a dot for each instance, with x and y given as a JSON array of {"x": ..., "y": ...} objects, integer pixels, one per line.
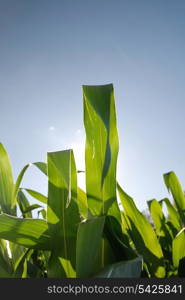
[
  {"x": 58, "y": 267},
  {"x": 21, "y": 264},
  {"x": 173, "y": 185},
  {"x": 19, "y": 180},
  {"x": 5, "y": 268},
  {"x": 117, "y": 234},
  {"x": 106, "y": 254},
  {"x": 124, "y": 269},
  {"x": 101, "y": 147},
  {"x": 89, "y": 243},
  {"x": 43, "y": 213},
  {"x": 159, "y": 220},
  {"x": 181, "y": 267},
  {"x": 31, "y": 207},
  {"x": 118, "y": 239},
  {"x": 3, "y": 250},
  {"x": 115, "y": 212},
  {"x": 7, "y": 200},
  {"x": 161, "y": 227},
  {"x": 4, "y": 253},
  {"x": 16, "y": 252},
  {"x": 101, "y": 252},
  {"x": 143, "y": 236},
  {"x": 125, "y": 223},
  {"x": 157, "y": 216},
  {"x": 23, "y": 204},
  {"x": 178, "y": 247},
  {"x": 173, "y": 215},
  {"x": 62, "y": 213},
  {"x": 31, "y": 233},
  {"x": 38, "y": 196},
  {"x": 41, "y": 166},
  {"x": 21, "y": 272},
  {"x": 82, "y": 203}
]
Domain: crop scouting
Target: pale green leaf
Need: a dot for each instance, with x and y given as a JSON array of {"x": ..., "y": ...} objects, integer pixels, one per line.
[
  {"x": 178, "y": 248},
  {"x": 82, "y": 203},
  {"x": 101, "y": 147},
  {"x": 19, "y": 180},
  {"x": 173, "y": 185},
  {"x": 143, "y": 236},
  {"x": 62, "y": 212},
  {"x": 173, "y": 215},
  {"x": 160, "y": 225},
  {"x": 38, "y": 196},
  {"x": 31, "y": 233},
  {"x": 7, "y": 201}
]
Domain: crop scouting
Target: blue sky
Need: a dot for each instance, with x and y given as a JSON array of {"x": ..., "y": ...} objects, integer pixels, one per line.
[{"x": 48, "y": 49}]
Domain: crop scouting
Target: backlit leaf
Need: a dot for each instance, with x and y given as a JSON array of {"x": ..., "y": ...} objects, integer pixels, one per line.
[
  {"x": 143, "y": 236},
  {"x": 101, "y": 147},
  {"x": 31, "y": 233}
]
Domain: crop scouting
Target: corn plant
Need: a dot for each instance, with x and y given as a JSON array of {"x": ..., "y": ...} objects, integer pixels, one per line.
[
  {"x": 86, "y": 234},
  {"x": 12, "y": 255}
]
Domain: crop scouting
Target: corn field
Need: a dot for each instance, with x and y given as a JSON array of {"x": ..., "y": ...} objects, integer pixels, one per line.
[{"x": 82, "y": 234}]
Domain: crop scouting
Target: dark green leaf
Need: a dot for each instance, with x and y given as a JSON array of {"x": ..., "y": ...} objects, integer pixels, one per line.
[
  {"x": 31, "y": 207},
  {"x": 41, "y": 166},
  {"x": 23, "y": 204},
  {"x": 123, "y": 269},
  {"x": 89, "y": 243}
]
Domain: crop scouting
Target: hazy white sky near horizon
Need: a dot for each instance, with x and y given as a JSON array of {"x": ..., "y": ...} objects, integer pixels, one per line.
[{"x": 48, "y": 49}]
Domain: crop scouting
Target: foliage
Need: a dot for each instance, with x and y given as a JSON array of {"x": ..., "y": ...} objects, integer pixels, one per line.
[{"x": 87, "y": 234}]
